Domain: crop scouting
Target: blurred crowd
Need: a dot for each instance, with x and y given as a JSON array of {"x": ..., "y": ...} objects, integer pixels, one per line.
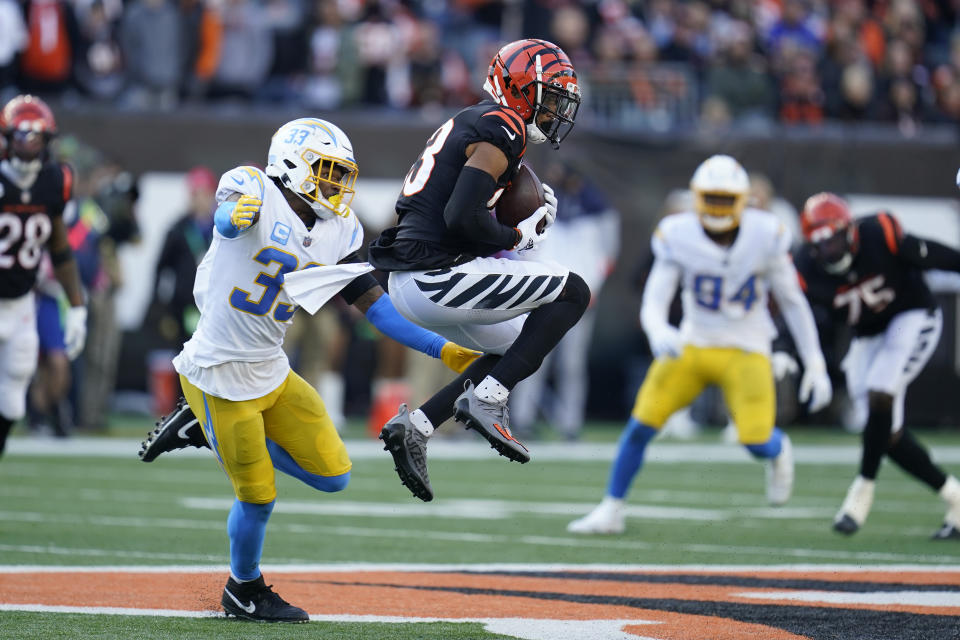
[{"x": 726, "y": 62}]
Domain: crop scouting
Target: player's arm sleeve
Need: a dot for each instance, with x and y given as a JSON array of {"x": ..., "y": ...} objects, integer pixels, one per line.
[
  {"x": 928, "y": 254},
  {"x": 658, "y": 293},
  {"x": 379, "y": 310},
  {"x": 466, "y": 212},
  {"x": 785, "y": 286}
]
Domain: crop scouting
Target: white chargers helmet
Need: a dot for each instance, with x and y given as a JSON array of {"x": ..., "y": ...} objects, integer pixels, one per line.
[
  {"x": 303, "y": 155},
  {"x": 720, "y": 189}
]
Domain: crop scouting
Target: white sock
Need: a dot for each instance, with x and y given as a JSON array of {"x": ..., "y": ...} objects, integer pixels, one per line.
[
  {"x": 950, "y": 491},
  {"x": 616, "y": 503},
  {"x": 238, "y": 580},
  {"x": 422, "y": 423},
  {"x": 490, "y": 390}
]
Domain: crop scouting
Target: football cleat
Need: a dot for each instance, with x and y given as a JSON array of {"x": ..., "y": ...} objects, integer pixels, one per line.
[
  {"x": 408, "y": 446},
  {"x": 950, "y": 492},
  {"x": 256, "y": 601},
  {"x": 176, "y": 430},
  {"x": 607, "y": 518},
  {"x": 491, "y": 420},
  {"x": 947, "y": 532},
  {"x": 780, "y": 474},
  {"x": 856, "y": 506}
]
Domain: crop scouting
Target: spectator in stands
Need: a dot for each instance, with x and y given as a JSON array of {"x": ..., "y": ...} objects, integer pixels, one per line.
[
  {"x": 801, "y": 97},
  {"x": 202, "y": 33},
  {"x": 246, "y": 51},
  {"x": 46, "y": 64},
  {"x": 13, "y": 40},
  {"x": 152, "y": 41},
  {"x": 99, "y": 60},
  {"x": 740, "y": 78},
  {"x": 183, "y": 248}
]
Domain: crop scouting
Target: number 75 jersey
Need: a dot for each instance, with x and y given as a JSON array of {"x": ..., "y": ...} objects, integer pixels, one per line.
[
  {"x": 244, "y": 309},
  {"x": 725, "y": 290}
]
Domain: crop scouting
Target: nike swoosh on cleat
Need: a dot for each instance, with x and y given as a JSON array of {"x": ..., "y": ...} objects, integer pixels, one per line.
[
  {"x": 506, "y": 434},
  {"x": 182, "y": 432},
  {"x": 512, "y": 135},
  {"x": 249, "y": 608}
]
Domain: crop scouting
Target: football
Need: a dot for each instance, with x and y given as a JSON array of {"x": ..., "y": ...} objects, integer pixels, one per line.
[{"x": 522, "y": 197}]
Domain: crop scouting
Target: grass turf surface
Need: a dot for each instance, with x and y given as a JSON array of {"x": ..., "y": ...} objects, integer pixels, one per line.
[{"x": 96, "y": 511}]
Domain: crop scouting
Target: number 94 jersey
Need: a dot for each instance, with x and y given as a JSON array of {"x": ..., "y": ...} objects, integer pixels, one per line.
[
  {"x": 725, "y": 290},
  {"x": 244, "y": 311}
]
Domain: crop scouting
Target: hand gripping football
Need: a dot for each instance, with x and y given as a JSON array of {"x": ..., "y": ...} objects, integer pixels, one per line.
[{"x": 522, "y": 197}]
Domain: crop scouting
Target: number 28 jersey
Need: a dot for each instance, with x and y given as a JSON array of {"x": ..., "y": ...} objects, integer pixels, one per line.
[
  {"x": 26, "y": 221},
  {"x": 244, "y": 311},
  {"x": 421, "y": 239},
  {"x": 725, "y": 290}
]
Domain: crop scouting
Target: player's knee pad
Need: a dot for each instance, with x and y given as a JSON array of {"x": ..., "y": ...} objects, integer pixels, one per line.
[
  {"x": 575, "y": 291},
  {"x": 255, "y": 492}
]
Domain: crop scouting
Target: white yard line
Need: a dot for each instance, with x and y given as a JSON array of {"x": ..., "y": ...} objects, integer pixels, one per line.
[{"x": 476, "y": 450}]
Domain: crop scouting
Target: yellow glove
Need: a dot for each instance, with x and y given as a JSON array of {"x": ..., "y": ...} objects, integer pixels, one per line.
[
  {"x": 458, "y": 358},
  {"x": 246, "y": 212}
]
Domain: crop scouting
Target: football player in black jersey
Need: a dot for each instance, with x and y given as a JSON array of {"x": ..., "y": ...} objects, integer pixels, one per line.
[
  {"x": 34, "y": 191},
  {"x": 438, "y": 256},
  {"x": 869, "y": 274}
]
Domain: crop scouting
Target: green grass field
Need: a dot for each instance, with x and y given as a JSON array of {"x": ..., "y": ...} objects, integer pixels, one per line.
[{"x": 86, "y": 510}]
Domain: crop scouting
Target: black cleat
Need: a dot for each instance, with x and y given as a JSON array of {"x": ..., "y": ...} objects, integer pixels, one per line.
[
  {"x": 947, "y": 532},
  {"x": 492, "y": 421},
  {"x": 256, "y": 601},
  {"x": 177, "y": 430},
  {"x": 408, "y": 446},
  {"x": 845, "y": 524}
]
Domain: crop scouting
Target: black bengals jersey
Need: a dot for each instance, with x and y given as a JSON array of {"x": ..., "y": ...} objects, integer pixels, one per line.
[
  {"x": 421, "y": 239},
  {"x": 885, "y": 276},
  {"x": 26, "y": 221}
]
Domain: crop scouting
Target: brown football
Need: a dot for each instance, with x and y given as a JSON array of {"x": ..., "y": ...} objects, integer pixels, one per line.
[{"x": 522, "y": 197}]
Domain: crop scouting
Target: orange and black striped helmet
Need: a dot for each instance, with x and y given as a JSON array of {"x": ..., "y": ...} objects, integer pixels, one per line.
[{"x": 536, "y": 79}]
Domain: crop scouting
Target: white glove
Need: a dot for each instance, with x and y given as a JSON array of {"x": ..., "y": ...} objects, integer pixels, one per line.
[
  {"x": 815, "y": 386},
  {"x": 666, "y": 343},
  {"x": 529, "y": 238},
  {"x": 551, "y": 205},
  {"x": 783, "y": 364},
  {"x": 75, "y": 331}
]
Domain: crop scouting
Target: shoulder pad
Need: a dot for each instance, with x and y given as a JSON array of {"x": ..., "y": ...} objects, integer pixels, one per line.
[
  {"x": 503, "y": 128},
  {"x": 243, "y": 180}
]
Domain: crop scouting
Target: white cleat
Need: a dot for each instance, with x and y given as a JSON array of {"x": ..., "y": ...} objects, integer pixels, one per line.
[
  {"x": 856, "y": 506},
  {"x": 780, "y": 474},
  {"x": 606, "y": 519},
  {"x": 950, "y": 492}
]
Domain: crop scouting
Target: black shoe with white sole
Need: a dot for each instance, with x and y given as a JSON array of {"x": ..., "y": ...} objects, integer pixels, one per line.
[
  {"x": 255, "y": 600},
  {"x": 178, "y": 429}
]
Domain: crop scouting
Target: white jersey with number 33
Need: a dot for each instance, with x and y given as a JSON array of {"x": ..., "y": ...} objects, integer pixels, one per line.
[
  {"x": 239, "y": 288},
  {"x": 726, "y": 289}
]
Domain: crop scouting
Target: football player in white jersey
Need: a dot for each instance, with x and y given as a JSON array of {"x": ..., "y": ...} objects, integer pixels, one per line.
[
  {"x": 727, "y": 259},
  {"x": 244, "y": 401}
]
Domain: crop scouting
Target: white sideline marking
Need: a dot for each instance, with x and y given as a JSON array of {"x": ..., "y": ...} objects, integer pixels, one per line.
[
  {"x": 480, "y": 450},
  {"x": 912, "y": 598},
  {"x": 482, "y": 509}
]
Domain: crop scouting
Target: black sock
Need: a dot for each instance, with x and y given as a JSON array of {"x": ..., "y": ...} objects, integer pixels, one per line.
[
  {"x": 542, "y": 330},
  {"x": 914, "y": 459},
  {"x": 876, "y": 439},
  {"x": 5, "y": 426},
  {"x": 439, "y": 408}
]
